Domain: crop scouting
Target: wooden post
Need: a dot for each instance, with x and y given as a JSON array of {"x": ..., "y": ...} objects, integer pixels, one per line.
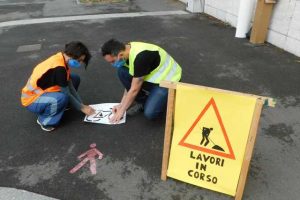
[
  {"x": 261, "y": 21},
  {"x": 173, "y": 85},
  {"x": 168, "y": 133},
  {"x": 249, "y": 149}
]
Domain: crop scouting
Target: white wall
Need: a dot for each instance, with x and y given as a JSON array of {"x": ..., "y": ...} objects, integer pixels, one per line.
[
  {"x": 285, "y": 26},
  {"x": 226, "y": 11},
  {"x": 284, "y": 29}
]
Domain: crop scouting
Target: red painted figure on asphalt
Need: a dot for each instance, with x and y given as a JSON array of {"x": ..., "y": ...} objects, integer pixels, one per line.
[{"x": 91, "y": 156}]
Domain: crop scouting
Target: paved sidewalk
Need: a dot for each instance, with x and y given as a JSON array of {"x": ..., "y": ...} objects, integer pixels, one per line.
[{"x": 15, "y": 194}]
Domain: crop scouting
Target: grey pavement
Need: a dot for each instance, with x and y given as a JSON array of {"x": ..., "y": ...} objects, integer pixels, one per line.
[
  {"x": 21, "y": 9},
  {"x": 38, "y": 162},
  {"x": 17, "y": 194}
]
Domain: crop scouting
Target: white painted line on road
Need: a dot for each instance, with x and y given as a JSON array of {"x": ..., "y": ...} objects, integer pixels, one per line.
[
  {"x": 30, "y": 47},
  {"x": 20, "y": 3},
  {"x": 89, "y": 17}
]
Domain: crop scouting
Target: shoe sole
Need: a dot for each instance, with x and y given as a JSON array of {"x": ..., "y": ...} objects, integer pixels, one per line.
[
  {"x": 134, "y": 110},
  {"x": 48, "y": 130}
]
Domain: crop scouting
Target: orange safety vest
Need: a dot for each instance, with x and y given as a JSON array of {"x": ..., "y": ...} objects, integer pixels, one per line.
[{"x": 31, "y": 91}]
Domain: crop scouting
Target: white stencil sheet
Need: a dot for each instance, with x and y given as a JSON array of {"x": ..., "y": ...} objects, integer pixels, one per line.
[{"x": 103, "y": 113}]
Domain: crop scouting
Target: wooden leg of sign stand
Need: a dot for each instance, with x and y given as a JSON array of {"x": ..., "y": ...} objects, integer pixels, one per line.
[
  {"x": 261, "y": 21},
  {"x": 168, "y": 133},
  {"x": 249, "y": 150}
]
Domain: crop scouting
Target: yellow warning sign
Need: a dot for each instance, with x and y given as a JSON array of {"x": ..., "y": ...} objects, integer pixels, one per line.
[{"x": 209, "y": 139}]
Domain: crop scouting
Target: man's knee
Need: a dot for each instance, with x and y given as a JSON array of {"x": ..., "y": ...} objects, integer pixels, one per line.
[
  {"x": 62, "y": 99},
  {"x": 75, "y": 80},
  {"x": 151, "y": 115},
  {"x": 123, "y": 72},
  {"x": 125, "y": 77},
  {"x": 75, "y": 77}
]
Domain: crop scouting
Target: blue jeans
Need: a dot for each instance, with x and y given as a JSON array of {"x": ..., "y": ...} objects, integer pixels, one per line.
[
  {"x": 50, "y": 106},
  {"x": 153, "y": 97}
]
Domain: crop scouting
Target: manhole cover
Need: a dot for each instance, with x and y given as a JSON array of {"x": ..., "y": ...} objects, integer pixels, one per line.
[{"x": 100, "y": 1}]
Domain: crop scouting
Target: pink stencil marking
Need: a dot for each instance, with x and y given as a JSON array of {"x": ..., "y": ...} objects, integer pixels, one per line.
[{"x": 91, "y": 155}]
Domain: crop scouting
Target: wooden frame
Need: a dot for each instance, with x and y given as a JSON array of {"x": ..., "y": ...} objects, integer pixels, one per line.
[
  {"x": 261, "y": 22},
  {"x": 251, "y": 138},
  {"x": 168, "y": 133},
  {"x": 249, "y": 150}
]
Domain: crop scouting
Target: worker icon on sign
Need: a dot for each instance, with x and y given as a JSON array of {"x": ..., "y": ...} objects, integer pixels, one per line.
[
  {"x": 205, "y": 133},
  {"x": 205, "y": 137}
]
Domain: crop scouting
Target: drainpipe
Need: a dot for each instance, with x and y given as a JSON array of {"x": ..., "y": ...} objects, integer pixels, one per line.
[
  {"x": 195, "y": 6},
  {"x": 244, "y": 17}
]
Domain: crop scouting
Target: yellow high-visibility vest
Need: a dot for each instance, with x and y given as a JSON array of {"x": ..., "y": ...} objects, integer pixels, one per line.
[{"x": 168, "y": 68}]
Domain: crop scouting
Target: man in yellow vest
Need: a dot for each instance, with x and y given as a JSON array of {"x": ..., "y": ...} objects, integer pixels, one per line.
[
  {"x": 141, "y": 67},
  {"x": 52, "y": 86}
]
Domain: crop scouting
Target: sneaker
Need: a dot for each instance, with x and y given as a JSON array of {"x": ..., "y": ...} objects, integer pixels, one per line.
[
  {"x": 45, "y": 128},
  {"x": 135, "y": 109}
]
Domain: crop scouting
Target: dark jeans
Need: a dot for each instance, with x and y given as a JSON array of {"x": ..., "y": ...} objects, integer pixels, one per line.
[
  {"x": 50, "y": 106},
  {"x": 153, "y": 97}
]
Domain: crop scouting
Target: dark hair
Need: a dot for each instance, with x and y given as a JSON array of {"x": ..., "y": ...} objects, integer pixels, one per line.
[
  {"x": 76, "y": 49},
  {"x": 112, "y": 47}
]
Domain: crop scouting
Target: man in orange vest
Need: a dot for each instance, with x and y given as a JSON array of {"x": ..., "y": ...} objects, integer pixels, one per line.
[{"x": 52, "y": 86}]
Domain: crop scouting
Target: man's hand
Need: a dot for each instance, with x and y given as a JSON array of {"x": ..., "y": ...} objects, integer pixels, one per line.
[
  {"x": 118, "y": 113},
  {"x": 116, "y": 108},
  {"x": 88, "y": 110}
]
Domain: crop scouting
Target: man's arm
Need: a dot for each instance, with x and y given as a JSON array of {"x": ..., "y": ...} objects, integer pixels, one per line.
[
  {"x": 75, "y": 103},
  {"x": 73, "y": 91},
  {"x": 115, "y": 108},
  {"x": 75, "y": 100},
  {"x": 136, "y": 86},
  {"x": 128, "y": 98}
]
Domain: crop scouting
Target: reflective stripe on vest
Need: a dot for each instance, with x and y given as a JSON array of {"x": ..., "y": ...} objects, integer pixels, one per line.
[
  {"x": 170, "y": 75},
  {"x": 32, "y": 89},
  {"x": 24, "y": 95},
  {"x": 168, "y": 69}
]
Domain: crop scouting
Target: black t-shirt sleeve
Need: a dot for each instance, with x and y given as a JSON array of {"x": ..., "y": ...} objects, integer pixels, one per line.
[
  {"x": 145, "y": 62},
  {"x": 61, "y": 77},
  {"x": 54, "y": 76}
]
